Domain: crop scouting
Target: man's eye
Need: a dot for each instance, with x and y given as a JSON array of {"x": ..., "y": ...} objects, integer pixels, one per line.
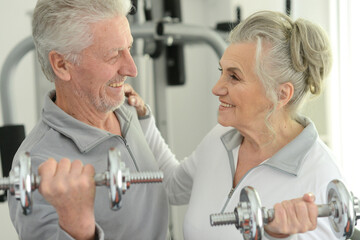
[
  {"x": 114, "y": 58},
  {"x": 232, "y": 76}
]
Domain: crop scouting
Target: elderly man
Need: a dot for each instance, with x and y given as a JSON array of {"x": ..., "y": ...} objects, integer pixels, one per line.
[{"x": 84, "y": 47}]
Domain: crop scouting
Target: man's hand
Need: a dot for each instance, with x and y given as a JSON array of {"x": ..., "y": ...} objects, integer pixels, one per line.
[
  {"x": 70, "y": 188},
  {"x": 293, "y": 216},
  {"x": 135, "y": 100}
]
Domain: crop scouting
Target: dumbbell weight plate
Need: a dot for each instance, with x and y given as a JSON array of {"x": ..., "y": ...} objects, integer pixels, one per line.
[
  {"x": 23, "y": 191},
  {"x": 115, "y": 178},
  {"x": 253, "y": 226},
  {"x": 343, "y": 224}
]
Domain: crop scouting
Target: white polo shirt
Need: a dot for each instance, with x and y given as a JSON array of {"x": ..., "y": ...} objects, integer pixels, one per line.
[{"x": 205, "y": 178}]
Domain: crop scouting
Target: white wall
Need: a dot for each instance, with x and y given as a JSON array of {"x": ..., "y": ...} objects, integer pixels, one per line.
[
  {"x": 15, "y": 25},
  {"x": 343, "y": 98}
]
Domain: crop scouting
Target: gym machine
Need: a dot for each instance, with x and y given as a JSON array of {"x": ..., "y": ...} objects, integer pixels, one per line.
[
  {"x": 21, "y": 181},
  {"x": 342, "y": 210}
]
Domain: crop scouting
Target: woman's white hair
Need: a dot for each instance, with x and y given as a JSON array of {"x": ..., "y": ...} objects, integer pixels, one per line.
[
  {"x": 287, "y": 51},
  {"x": 64, "y": 26}
]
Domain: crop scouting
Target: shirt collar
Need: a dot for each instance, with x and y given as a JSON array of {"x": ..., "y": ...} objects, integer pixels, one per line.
[
  {"x": 83, "y": 135},
  {"x": 289, "y": 159}
]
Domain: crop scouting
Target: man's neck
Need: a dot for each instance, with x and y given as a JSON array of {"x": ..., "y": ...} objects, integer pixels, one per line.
[{"x": 86, "y": 113}]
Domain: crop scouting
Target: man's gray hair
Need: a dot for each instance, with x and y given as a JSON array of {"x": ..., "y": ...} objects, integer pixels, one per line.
[{"x": 64, "y": 26}]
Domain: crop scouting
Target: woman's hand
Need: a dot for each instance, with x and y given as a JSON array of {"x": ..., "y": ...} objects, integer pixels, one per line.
[
  {"x": 135, "y": 100},
  {"x": 293, "y": 216}
]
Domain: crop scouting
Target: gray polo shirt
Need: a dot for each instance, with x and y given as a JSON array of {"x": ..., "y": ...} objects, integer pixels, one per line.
[{"x": 144, "y": 212}]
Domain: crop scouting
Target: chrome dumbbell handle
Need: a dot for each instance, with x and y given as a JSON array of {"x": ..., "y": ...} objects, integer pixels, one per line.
[
  {"x": 249, "y": 217},
  {"x": 219, "y": 219},
  {"x": 21, "y": 182},
  {"x": 232, "y": 218},
  {"x": 102, "y": 179},
  {"x": 6, "y": 183},
  {"x": 119, "y": 184},
  {"x": 146, "y": 177},
  {"x": 324, "y": 210},
  {"x": 228, "y": 218}
]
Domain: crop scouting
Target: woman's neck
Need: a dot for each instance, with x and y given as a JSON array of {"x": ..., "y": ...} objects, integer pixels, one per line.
[{"x": 268, "y": 140}]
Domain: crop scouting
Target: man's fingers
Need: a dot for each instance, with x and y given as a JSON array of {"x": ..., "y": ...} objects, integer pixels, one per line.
[
  {"x": 47, "y": 168},
  {"x": 63, "y": 166},
  {"x": 76, "y": 167},
  {"x": 89, "y": 170}
]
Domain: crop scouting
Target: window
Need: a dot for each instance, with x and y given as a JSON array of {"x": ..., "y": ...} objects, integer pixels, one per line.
[{"x": 345, "y": 88}]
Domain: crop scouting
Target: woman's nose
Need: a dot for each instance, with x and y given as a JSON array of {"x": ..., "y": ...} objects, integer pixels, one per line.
[{"x": 219, "y": 89}]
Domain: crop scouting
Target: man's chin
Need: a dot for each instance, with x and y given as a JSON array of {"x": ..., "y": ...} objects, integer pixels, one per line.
[{"x": 115, "y": 106}]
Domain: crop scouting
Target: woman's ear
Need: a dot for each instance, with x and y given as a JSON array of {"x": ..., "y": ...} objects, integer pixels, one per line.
[
  {"x": 285, "y": 93},
  {"x": 60, "y": 66}
]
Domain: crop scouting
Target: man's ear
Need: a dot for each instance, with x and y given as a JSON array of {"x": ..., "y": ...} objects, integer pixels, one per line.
[
  {"x": 285, "y": 93},
  {"x": 60, "y": 66}
]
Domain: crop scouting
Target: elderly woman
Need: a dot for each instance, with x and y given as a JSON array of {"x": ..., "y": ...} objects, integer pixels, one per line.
[{"x": 270, "y": 66}]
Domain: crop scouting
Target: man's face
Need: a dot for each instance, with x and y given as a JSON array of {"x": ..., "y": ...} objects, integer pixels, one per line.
[{"x": 98, "y": 79}]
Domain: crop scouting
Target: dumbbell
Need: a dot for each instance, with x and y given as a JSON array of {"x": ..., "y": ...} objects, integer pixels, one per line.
[
  {"x": 21, "y": 181},
  {"x": 250, "y": 217}
]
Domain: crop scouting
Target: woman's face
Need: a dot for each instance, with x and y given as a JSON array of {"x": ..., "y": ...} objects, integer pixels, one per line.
[{"x": 243, "y": 102}]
